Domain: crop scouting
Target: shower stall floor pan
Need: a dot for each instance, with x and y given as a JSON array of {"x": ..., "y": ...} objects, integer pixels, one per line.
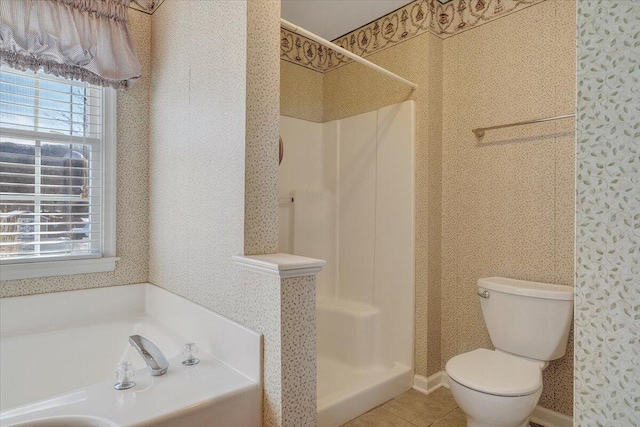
[{"x": 345, "y": 392}]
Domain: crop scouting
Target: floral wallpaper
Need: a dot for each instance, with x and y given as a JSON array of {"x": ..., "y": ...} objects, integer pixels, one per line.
[
  {"x": 607, "y": 355},
  {"x": 414, "y": 19},
  {"x": 221, "y": 136}
]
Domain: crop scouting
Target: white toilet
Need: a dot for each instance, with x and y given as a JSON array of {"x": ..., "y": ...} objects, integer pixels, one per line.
[{"x": 529, "y": 325}]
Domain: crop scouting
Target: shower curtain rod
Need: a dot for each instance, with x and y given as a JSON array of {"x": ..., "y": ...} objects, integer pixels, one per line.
[{"x": 308, "y": 34}]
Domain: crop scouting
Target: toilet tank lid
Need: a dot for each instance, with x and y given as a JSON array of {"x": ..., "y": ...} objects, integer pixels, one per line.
[{"x": 526, "y": 288}]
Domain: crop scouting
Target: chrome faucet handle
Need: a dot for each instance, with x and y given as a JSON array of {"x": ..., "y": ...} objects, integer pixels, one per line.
[
  {"x": 151, "y": 354},
  {"x": 124, "y": 376},
  {"x": 190, "y": 351}
]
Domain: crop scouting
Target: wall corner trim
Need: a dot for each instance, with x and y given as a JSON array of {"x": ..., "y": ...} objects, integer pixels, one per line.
[
  {"x": 429, "y": 385},
  {"x": 543, "y": 416},
  {"x": 280, "y": 265}
]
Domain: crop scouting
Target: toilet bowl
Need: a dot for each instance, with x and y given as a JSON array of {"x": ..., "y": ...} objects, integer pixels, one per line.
[
  {"x": 529, "y": 324},
  {"x": 495, "y": 389}
]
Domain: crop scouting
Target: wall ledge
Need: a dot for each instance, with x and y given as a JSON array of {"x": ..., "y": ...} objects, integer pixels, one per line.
[
  {"x": 31, "y": 270},
  {"x": 280, "y": 265}
]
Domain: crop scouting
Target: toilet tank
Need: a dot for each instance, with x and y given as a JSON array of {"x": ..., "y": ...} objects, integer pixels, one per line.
[{"x": 529, "y": 319}]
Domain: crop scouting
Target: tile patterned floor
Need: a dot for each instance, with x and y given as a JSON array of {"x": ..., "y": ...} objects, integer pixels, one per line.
[{"x": 414, "y": 409}]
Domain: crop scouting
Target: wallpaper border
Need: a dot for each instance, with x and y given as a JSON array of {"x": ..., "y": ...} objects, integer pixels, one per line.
[{"x": 412, "y": 20}]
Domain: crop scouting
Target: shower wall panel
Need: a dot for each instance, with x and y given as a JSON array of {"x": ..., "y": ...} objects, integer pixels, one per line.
[
  {"x": 308, "y": 174},
  {"x": 394, "y": 243},
  {"x": 353, "y": 182},
  {"x": 357, "y": 207}
]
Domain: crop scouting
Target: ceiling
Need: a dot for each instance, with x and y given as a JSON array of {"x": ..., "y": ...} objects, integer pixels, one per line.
[{"x": 333, "y": 18}]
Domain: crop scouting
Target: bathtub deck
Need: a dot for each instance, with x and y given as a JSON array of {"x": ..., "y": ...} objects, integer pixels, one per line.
[
  {"x": 76, "y": 356},
  {"x": 62, "y": 363}
]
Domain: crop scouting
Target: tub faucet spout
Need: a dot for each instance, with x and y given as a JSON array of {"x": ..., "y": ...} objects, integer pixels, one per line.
[{"x": 151, "y": 354}]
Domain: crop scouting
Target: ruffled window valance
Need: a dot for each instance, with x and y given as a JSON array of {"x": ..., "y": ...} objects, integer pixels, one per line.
[{"x": 85, "y": 40}]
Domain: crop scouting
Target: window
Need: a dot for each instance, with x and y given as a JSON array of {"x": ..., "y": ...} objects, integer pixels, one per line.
[{"x": 57, "y": 176}]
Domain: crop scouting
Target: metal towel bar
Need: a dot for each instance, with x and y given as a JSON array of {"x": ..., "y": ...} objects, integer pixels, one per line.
[{"x": 479, "y": 132}]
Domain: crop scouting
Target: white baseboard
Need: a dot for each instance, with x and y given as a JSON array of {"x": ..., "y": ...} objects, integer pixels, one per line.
[
  {"x": 548, "y": 418},
  {"x": 428, "y": 385},
  {"x": 543, "y": 416}
]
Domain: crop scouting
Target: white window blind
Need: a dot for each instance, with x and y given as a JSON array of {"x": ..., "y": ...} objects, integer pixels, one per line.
[{"x": 51, "y": 168}]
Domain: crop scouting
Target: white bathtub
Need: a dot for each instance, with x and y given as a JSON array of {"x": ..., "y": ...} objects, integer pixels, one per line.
[{"x": 59, "y": 352}]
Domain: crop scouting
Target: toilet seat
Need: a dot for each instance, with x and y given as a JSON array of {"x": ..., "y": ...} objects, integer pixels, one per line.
[{"x": 495, "y": 373}]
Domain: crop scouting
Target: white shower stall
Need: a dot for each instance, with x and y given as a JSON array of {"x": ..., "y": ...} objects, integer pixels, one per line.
[{"x": 347, "y": 195}]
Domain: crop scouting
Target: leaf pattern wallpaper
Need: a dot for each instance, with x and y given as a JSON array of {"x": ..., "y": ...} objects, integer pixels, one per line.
[{"x": 607, "y": 355}]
